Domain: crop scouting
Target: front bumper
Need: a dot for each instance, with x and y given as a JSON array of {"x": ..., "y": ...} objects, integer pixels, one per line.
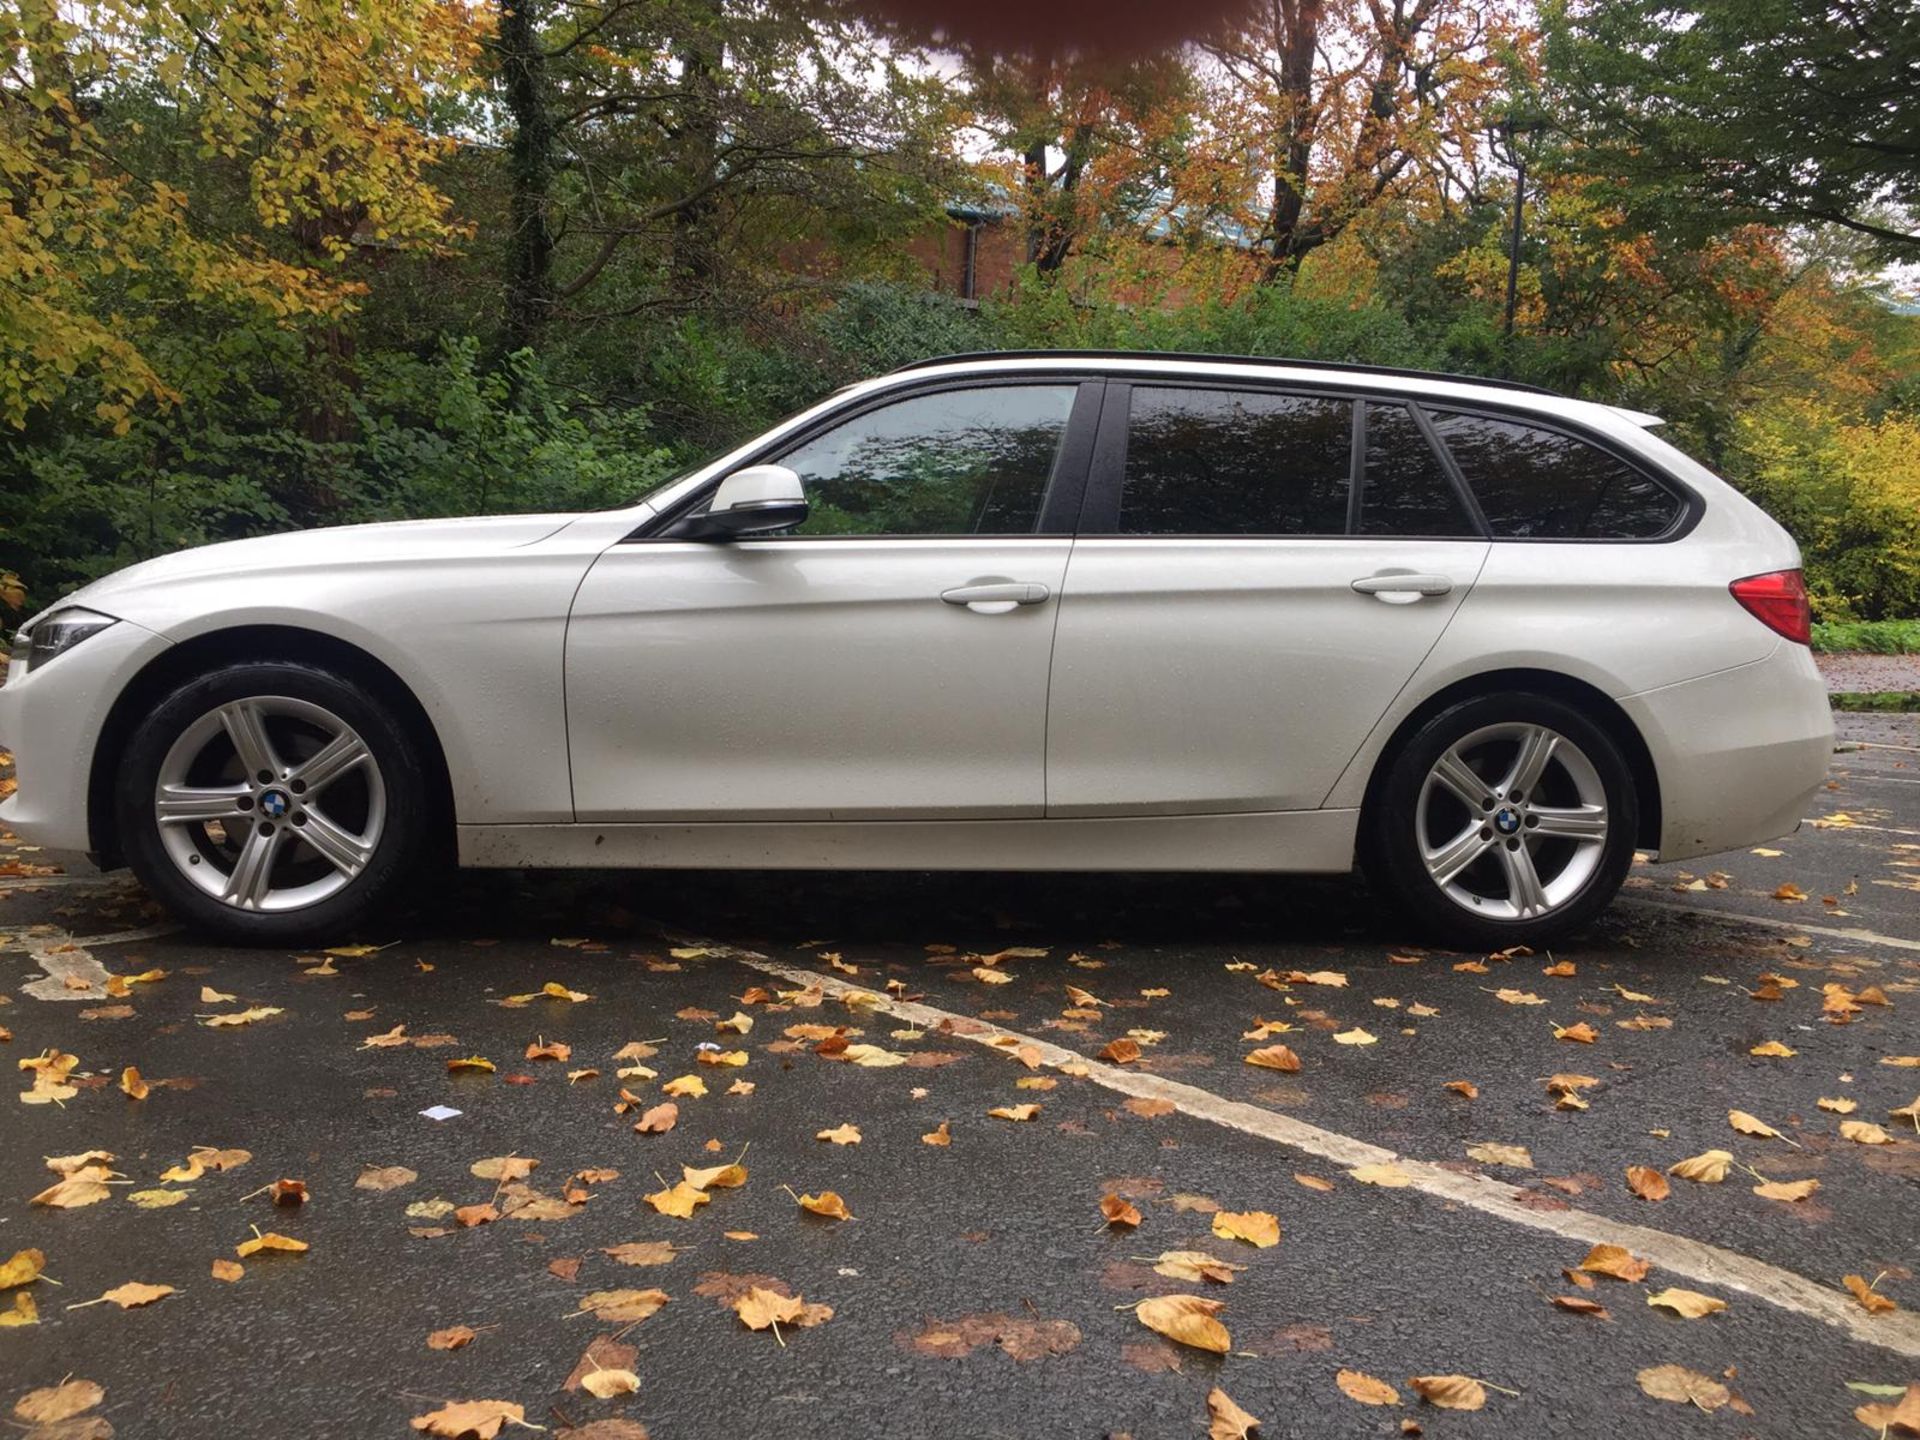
[
  {"x": 1739, "y": 753},
  {"x": 51, "y": 719}
]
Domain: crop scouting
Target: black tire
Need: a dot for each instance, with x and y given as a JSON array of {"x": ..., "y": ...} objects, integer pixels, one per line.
[
  {"x": 403, "y": 836},
  {"x": 1391, "y": 843}
]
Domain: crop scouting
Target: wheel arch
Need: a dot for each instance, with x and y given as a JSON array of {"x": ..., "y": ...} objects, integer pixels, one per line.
[
  {"x": 1592, "y": 702},
  {"x": 240, "y": 643}
]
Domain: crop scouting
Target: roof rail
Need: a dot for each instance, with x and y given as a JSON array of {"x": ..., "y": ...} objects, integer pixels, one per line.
[{"x": 1344, "y": 366}]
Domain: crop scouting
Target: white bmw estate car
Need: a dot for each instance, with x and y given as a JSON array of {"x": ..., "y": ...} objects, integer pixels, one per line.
[{"x": 1058, "y": 611}]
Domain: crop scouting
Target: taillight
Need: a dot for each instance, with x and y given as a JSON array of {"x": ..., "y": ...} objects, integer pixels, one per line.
[{"x": 1779, "y": 600}]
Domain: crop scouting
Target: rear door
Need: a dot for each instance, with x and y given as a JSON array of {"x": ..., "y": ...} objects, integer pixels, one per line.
[
  {"x": 887, "y": 659},
  {"x": 1258, "y": 573}
]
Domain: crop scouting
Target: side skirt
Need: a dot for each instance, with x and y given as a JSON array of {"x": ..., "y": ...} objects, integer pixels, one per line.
[{"x": 1289, "y": 840}]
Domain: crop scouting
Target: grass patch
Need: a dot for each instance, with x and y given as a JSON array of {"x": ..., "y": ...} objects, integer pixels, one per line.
[
  {"x": 1875, "y": 637},
  {"x": 1898, "y": 702}
]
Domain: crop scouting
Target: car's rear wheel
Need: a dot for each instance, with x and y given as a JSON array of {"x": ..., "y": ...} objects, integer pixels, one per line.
[
  {"x": 271, "y": 802},
  {"x": 1506, "y": 819}
]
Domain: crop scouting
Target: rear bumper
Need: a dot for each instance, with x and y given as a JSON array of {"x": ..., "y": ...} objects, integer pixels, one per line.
[
  {"x": 50, "y": 719},
  {"x": 1739, "y": 753}
]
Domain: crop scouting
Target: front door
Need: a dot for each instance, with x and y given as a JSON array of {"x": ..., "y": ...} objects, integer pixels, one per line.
[
  {"x": 1238, "y": 613},
  {"x": 886, "y": 659}
]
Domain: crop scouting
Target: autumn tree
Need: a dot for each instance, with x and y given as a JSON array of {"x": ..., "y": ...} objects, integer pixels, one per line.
[
  {"x": 1331, "y": 106},
  {"x": 314, "y": 112}
]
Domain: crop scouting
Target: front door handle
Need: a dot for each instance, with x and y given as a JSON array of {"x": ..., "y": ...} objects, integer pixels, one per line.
[
  {"x": 1403, "y": 589},
  {"x": 996, "y": 598}
]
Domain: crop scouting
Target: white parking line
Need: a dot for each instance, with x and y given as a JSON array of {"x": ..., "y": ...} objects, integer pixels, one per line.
[
  {"x": 62, "y": 957},
  {"x": 1709, "y": 1264},
  {"x": 1832, "y": 932}
]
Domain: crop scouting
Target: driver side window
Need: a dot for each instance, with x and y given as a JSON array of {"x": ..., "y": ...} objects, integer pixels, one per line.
[{"x": 962, "y": 462}]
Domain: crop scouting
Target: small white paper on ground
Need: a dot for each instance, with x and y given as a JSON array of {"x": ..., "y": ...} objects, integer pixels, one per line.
[{"x": 440, "y": 1112}]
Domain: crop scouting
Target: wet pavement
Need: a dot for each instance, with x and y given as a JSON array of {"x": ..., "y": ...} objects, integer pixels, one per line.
[{"x": 978, "y": 1290}]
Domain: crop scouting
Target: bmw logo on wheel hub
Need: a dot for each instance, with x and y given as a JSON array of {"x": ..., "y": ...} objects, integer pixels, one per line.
[
  {"x": 1506, "y": 822},
  {"x": 275, "y": 804}
]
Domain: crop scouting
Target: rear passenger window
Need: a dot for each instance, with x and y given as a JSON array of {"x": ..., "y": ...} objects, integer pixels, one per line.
[
  {"x": 1538, "y": 484},
  {"x": 1406, "y": 490},
  {"x": 1235, "y": 462}
]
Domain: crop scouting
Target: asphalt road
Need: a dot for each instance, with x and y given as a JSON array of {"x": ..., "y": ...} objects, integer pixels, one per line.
[{"x": 978, "y": 1291}]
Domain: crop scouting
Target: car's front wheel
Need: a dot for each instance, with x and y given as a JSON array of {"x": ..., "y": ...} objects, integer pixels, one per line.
[
  {"x": 271, "y": 802},
  {"x": 1505, "y": 820}
]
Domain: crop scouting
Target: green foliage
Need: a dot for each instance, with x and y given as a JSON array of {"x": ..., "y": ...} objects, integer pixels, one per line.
[
  {"x": 433, "y": 436},
  {"x": 1781, "y": 111},
  {"x": 1876, "y": 637},
  {"x": 1897, "y": 702}
]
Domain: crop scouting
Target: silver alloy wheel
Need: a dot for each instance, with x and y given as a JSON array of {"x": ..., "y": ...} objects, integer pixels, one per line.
[
  {"x": 1512, "y": 821},
  {"x": 270, "y": 803}
]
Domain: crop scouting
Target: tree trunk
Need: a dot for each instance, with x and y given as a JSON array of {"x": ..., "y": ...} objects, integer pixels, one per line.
[
  {"x": 1300, "y": 36},
  {"x": 702, "y": 58},
  {"x": 523, "y": 70}
]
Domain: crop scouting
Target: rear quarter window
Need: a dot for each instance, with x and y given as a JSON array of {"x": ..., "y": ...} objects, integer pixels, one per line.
[{"x": 1539, "y": 484}]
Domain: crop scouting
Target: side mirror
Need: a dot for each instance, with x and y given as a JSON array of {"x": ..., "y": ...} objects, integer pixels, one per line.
[{"x": 754, "y": 501}]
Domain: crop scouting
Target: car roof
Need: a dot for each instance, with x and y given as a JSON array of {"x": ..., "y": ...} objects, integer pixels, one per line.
[{"x": 1428, "y": 384}]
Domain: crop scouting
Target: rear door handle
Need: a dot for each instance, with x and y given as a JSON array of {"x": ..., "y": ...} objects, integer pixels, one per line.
[
  {"x": 997, "y": 598},
  {"x": 1403, "y": 589}
]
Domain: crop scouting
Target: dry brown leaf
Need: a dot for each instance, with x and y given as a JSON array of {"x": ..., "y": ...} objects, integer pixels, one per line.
[
  {"x": 55, "y": 1403},
  {"x": 85, "y": 1186},
  {"x": 678, "y": 1200},
  {"x": 643, "y": 1252},
  {"x": 471, "y": 1419},
  {"x": 1773, "y": 1049},
  {"x": 1871, "y": 1300},
  {"x": 1119, "y": 1211},
  {"x": 1014, "y": 1112},
  {"x": 1647, "y": 1182},
  {"x": 1581, "y": 1305},
  {"x": 132, "y": 1085},
  {"x": 1355, "y": 1036},
  {"x": 1786, "y": 1189},
  {"x": 715, "y": 1177},
  {"x": 685, "y": 1087},
  {"x": 1312, "y": 1182},
  {"x": 840, "y": 1135},
  {"x": 454, "y": 1337},
  {"x": 623, "y": 1307},
  {"x": 1358, "y": 1385},
  {"x": 1580, "y": 1034},
  {"x": 270, "y": 1242},
  {"x": 605, "y": 1384},
  {"x": 1902, "y": 1415},
  {"x": 1258, "y": 1228},
  {"x": 23, "y": 1267},
  {"x": 826, "y": 1203},
  {"x": 475, "y": 1063},
  {"x": 1688, "y": 1304},
  {"x": 504, "y": 1167},
  {"x": 1387, "y": 1175},
  {"x": 24, "y": 1311},
  {"x": 1226, "y": 1420},
  {"x": 1864, "y": 1132},
  {"x": 1464, "y": 1087},
  {"x": 1186, "y": 1320},
  {"x": 468, "y": 1216},
  {"x": 1450, "y": 1392},
  {"x": 660, "y": 1119},
  {"x": 1518, "y": 997},
  {"x": 939, "y": 1135},
  {"x": 1195, "y": 1265},
  {"x": 1707, "y": 1168},
  {"x": 1615, "y": 1261},
  {"x": 227, "y": 1271},
  {"x": 1683, "y": 1386},
  {"x": 135, "y": 1293},
  {"x": 1275, "y": 1057},
  {"x": 762, "y": 1309},
  {"x": 1490, "y": 1153},
  {"x": 384, "y": 1177},
  {"x": 1752, "y": 1125},
  {"x": 1122, "y": 1051}
]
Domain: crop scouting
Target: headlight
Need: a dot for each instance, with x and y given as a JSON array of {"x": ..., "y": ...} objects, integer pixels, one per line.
[{"x": 58, "y": 633}]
